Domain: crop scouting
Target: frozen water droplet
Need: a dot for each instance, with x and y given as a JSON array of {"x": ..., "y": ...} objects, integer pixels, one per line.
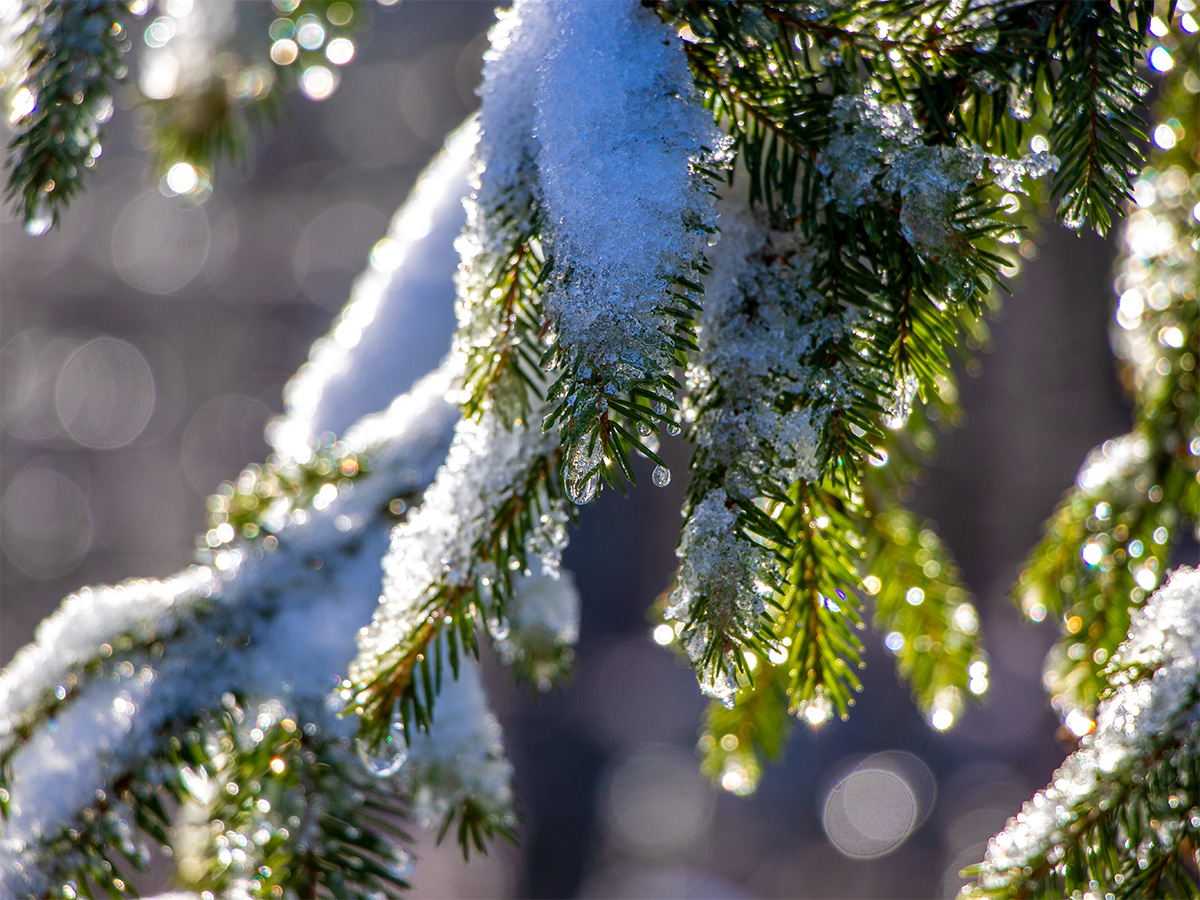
[
  {"x": 661, "y": 476},
  {"x": 1073, "y": 219},
  {"x": 41, "y": 220},
  {"x": 673, "y": 429},
  {"x": 720, "y": 686},
  {"x": 644, "y": 429},
  {"x": 582, "y": 477},
  {"x": 1020, "y": 104},
  {"x": 986, "y": 42},
  {"x": 498, "y": 628},
  {"x": 404, "y": 865},
  {"x": 582, "y": 491},
  {"x": 388, "y": 761},
  {"x": 986, "y": 82}
]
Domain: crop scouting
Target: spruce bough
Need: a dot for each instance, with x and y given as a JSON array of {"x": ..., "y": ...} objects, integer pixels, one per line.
[{"x": 771, "y": 227}]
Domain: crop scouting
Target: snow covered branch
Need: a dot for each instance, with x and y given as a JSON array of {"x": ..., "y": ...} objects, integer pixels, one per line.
[
  {"x": 770, "y": 224},
  {"x": 1121, "y": 811}
]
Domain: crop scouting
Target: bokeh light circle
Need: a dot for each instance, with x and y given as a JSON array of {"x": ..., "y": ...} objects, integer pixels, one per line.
[
  {"x": 873, "y": 809},
  {"x": 159, "y": 246},
  {"x": 105, "y": 393},
  {"x": 47, "y": 525},
  {"x": 655, "y": 802}
]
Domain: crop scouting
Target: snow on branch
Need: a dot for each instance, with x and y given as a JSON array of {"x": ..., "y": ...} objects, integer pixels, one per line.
[
  {"x": 394, "y": 329},
  {"x": 1121, "y": 810},
  {"x": 1108, "y": 544},
  {"x": 623, "y": 140},
  {"x": 501, "y": 317},
  {"x": 493, "y": 522},
  {"x": 270, "y": 619}
]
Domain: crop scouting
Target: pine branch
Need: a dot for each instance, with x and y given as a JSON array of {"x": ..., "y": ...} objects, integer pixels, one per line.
[
  {"x": 1120, "y": 812},
  {"x": 110, "y": 838},
  {"x": 1109, "y": 541},
  {"x": 100, "y": 632},
  {"x": 503, "y": 323},
  {"x": 456, "y": 563},
  {"x": 622, "y": 305},
  {"x": 265, "y": 498},
  {"x": 1105, "y": 549},
  {"x": 475, "y": 828},
  {"x": 288, "y": 810},
  {"x": 925, "y": 613},
  {"x": 885, "y": 252},
  {"x": 736, "y": 742},
  {"x": 503, "y": 342},
  {"x": 1094, "y": 125},
  {"x": 208, "y": 87},
  {"x": 68, "y": 57},
  {"x": 250, "y": 54},
  {"x": 193, "y": 640},
  {"x": 819, "y": 612}
]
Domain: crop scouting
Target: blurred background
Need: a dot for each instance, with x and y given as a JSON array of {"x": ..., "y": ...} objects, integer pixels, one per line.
[{"x": 144, "y": 345}]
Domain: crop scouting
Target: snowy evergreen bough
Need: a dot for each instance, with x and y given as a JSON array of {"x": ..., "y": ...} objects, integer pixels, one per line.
[{"x": 772, "y": 227}]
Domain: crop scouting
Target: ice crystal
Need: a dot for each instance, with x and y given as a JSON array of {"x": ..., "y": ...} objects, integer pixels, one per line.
[{"x": 1009, "y": 173}]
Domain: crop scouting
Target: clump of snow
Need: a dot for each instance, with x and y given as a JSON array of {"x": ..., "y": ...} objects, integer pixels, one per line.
[
  {"x": 461, "y": 758},
  {"x": 757, "y": 408},
  {"x": 621, "y": 130},
  {"x": 504, "y": 173},
  {"x": 546, "y": 607},
  {"x": 1144, "y": 716},
  {"x": 87, "y": 620},
  {"x": 716, "y": 568},
  {"x": 876, "y": 151},
  {"x": 761, "y": 323},
  {"x": 503, "y": 202},
  {"x": 541, "y": 628}
]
